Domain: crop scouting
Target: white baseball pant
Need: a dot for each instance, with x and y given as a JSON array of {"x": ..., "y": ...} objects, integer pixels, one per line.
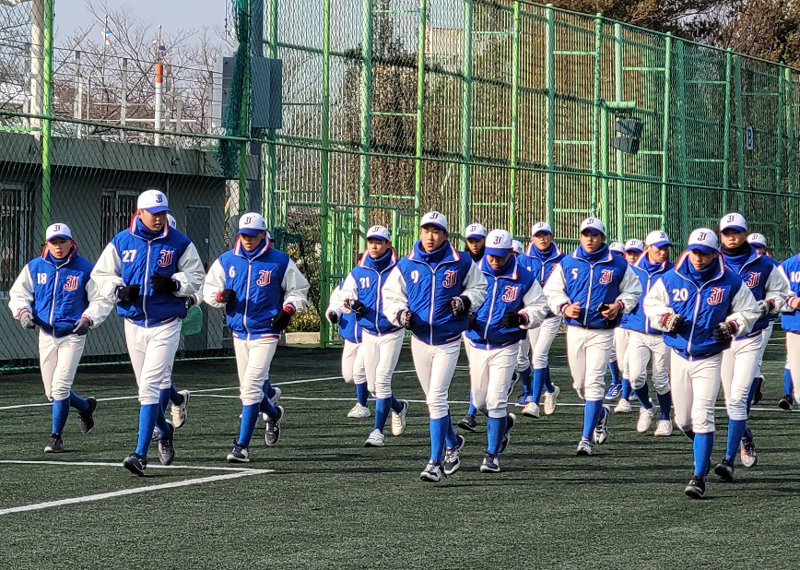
[
  {"x": 435, "y": 365},
  {"x": 523, "y": 354},
  {"x": 793, "y": 359},
  {"x": 380, "y": 355},
  {"x": 152, "y": 351},
  {"x": 695, "y": 384},
  {"x": 588, "y": 351},
  {"x": 253, "y": 359},
  {"x": 641, "y": 346},
  {"x": 353, "y": 363},
  {"x": 541, "y": 338},
  {"x": 738, "y": 370},
  {"x": 58, "y": 361},
  {"x": 766, "y": 334},
  {"x": 490, "y": 374},
  {"x": 621, "y": 339}
]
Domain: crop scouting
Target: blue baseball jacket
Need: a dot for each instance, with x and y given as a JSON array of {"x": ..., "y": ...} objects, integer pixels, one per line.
[
  {"x": 365, "y": 283},
  {"x": 790, "y": 269},
  {"x": 541, "y": 262},
  {"x": 648, "y": 274}
]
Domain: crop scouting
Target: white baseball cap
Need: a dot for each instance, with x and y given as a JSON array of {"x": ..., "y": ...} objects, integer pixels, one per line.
[
  {"x": 252, "y": 224},
  {"x": 154, "y": 201},
  {"x": 378, "y": 232},
  {"x": 475, "y": 231},
  {"x": 703, "y": 239},
  {"x": 173, "y": 223},
  {"x": 657, "y": 238},
  {"x": 593, "y": 224},
  {"x": 57, "y": 231},
  {"x": 434, "y": 219},
  {"x": 634, "y": 245},
  {"x": 617, "y": 246},
  {"x": 517, "y": 246},
  {"x": 499, "y": 243},
  {"x": 757, "y": 239},
  {"x": 733, "y": 222},
  {"x": 541, "y": 227}
]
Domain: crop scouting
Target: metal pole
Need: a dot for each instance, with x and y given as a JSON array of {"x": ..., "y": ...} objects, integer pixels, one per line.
[
  {"x": 47, "y": 93},
  {"x": 38, "y": 24},
  {"x": 366, "y": 121},
  {"x": 739, "y": 130},
  {"x": 466, "y": 116},
  {"x": 726, "y": 134},
  {"x": 684, "y": 196},
  {"x": 620, "y": 164},
  {"x": 791, "y": 172},
  {"x": 550, "y": 81},
  {"x": 77, "y": 102},
  {"x": 244, "y": 122},
  {"x": 270, "y": 157},
  {"x": 598, "y": 40},
  {"x": 158, "y": 111},
  {"x": 512, "y": 199},
  {"x": 325, "y": 265},
  {"x": 418, "y": 143},
  {"x": 778, "y": 157},
  {"x": 123, "y": 107},
  {"x": 665, "y": 130}
]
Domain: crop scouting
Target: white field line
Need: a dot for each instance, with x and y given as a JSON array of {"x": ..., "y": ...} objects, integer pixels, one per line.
[
  {"x": 109, "y": 464},
  {"x": 236, "y": 474}
]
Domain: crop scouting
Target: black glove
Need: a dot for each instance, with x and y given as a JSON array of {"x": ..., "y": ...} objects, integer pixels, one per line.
[
  {"x": 512, "y": 320},
  {"x": 191, "y": 301},
  {"x": 725, "y": 331},
  {"x": 227, "y": 296},
  {"x": 672, "y": 322},
  {"x": 332, "y": 316},
  {"x": 163, "y": 283},
  {"x": 82, "y": 326},
  {"x": 473, "y": 321},
  {"x": 128, "y": 293},
  {"x": 359, "y": 308},
  {"x": 406, "y": 318},
  {"x": 460, "y": 305},
  {"x": 281, "y": 320}
]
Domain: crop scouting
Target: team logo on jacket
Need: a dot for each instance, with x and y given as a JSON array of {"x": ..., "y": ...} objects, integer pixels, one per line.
[
  {"x": 165, "y": 260},
  {"x": 72, "y": 283},
  {"x": 510, "y": 294},
  {"x": 450, "y": 278},
  {"x": 753, "y": 279},
  {"x": 264, "y": 278},
  {"x": 716, "y": 295},
  {"x": 606, "y": 276}
]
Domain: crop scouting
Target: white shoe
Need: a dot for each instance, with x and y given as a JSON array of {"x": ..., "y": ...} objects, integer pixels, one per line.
[
  {"x": 600, "y": 434},
  {"x": 399, "y": 419},
  {"x": 584, "y": 447},
  {"x": 645, "y": 419},
  {"x": 178, "y": 413},
  {"x": 531, "y": 410},
  {"x": 358, "y": 411},
  {"x": 622, "y": 407},
  {"x": 375, "y": 439},
  {"x": 432, "y": 473},
  {"x": 663, "y": 428},
  {"x": 551, "y": 401},
  {"x": 276, "y": 397}
]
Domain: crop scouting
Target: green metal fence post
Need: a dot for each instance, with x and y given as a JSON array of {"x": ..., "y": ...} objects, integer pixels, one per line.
[
  {"x": 325, "y": 263},
  {"x": 419, "y": 140},
  {"x": 550, "y": 141},
  {"x": 619, "y": 85},
  {"x": 791, "y": 163},
  {"x": 681, "y": 100},
  {"x": 466, "y": 117},
  {"x": 597, "y": 144},
  {"x": 739, "y": 130},
  {"x": 665, "y": 130},
  {"x": 270, "y": 156},
  {"x": 512, "y": 222},
  {"x": 726, "y": 152},
  {"x": 244, "y": 122},
  {"x": 778, "y": 156},
  {"x": 47, "y": 96},
  {"x": 366, "y": 121}
]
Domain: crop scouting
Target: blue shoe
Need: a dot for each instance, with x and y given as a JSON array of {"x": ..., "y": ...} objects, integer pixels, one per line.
[{"x": 614, "y": 392}]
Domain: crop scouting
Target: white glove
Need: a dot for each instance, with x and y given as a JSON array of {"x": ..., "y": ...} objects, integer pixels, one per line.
[
  {"x": 765, "y": 307},
  {"x": 26, "y": 320}
]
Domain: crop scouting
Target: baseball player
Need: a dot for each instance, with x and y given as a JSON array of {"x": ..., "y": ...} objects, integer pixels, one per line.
[
  {"x": 617, "y": 248},
  {"x": 260, "y": 289},
  {"x": 522, "y": 371},
  {"x": 430, "y": 292},
  {"x": 148, "y": 271},
  {"x": 352, "y": 357},
  {"x": 515, "y": 302},
  {"x": 645, "y": 342},
  {"x": 739, "y": 361},
  {"x": 592, "y": 288},
  {"x": 633, "y": 250},
  {"x": 790, "y": 321},
  {"x": 381, "y": 340},
  {"x": 700, "y": 305},
  {"x": 542, "y": 256},
  {"x": 52, "y": 292}
]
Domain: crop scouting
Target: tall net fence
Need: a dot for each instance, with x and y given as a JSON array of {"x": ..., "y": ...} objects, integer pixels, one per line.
[{"x": 502, "y": 112}]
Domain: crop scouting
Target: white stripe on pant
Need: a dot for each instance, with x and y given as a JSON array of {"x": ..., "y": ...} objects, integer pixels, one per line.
[
  {"x": 435, "y": 365},
  {"x": 490, "y": 373},
  {"x": 380, "y": 355},
  {"x": 58, "y": 361},
  {"x": 695, "y": 384},
  {"x": 253, "y": 359},
  {"x": 152, "y": 351}
]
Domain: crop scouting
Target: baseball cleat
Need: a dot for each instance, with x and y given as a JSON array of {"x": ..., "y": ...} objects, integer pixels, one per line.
[
  {"x": 136, "y": 464},
  {"x": 696, "y": 489},
  {"x": 663, "y": 428},
  {"x": 510, "y": 420},
  {"x": 178, "y": 413},
  {"x": 273, "y": 432},
  {"x": 748, "y": 452},
  {"x": 399, "y": 419},
  {"x": 601, "y": 430},
  {"x": 55, "y": 444},
  {"x": 467, "y": 423},
  {"x": 645, "y": 419},
  {"x": 432, "y": 472},
  {"x": 375, "y": 439},
  {"x": 623, "y": 406},
  {"x": 166, "y": 451},
  {"x": 276, "y": 397},
  {"x": 725, "y": 471},
  {"x": 614, "y": 392},
  {"x": 358, "y": 412},
  {"x": 786, "y": 402},
  {"x": 239, "y": 454},
  {"x": 584, "y": 447},
  {"x": 490, "y": 464},
  {"x": 155, "y": 436},
  {"x": 87, "y": 418},
  {"x": 551, "y": 401},
  {"x": 452, "y": 457},
  {"x": 531, "y": 410}
]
